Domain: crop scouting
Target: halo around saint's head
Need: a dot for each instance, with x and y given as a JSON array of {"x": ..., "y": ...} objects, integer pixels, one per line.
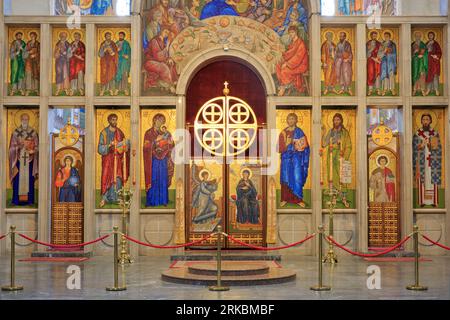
[
  {"x": 200, "y": 175},
  {"x": 345, "y": 119},
  {"x": 250, "y": 173},
  {"x": 382, "y": 155},
  {"x": 324, "y": 35},
  {"x": 119, "y": 115},
  {"x": 18, "y": 115},
  {"x": 418, "y": 118}
]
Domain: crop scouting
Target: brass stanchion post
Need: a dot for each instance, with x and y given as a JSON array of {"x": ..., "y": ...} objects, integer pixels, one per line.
[
  {"x": 12, "y": 286},
  {"x": 416, "y": 286},
  {"x": 331, "y": 255},
  {"x": 125, "y": 202},
  {"x": 219, "y": 286},
  {"x": 116, "y": 263},
  {"x": 320, "y": 286}
]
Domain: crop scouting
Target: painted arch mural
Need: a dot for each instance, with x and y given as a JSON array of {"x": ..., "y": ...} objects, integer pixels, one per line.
[{"x": 275, "y": 31}]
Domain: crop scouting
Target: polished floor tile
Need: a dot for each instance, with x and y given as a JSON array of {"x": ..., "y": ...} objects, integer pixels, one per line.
[{"x": 348, "y": 279}]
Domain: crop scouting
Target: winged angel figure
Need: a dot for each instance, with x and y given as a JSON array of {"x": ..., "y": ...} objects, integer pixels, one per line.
[{"x": 203, "y": 195}]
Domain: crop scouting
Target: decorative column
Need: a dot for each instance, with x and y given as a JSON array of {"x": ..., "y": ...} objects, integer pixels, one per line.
[
  {"x": 446, "y": 72},
  {"x": 180, "y": 162},
  {"x": 44, "y": 198},
  {"x": 407, "y": 179},
  {"x": 316, "y": 115},
  {"x": 134, "y": 214},
  {"x": 90, "y": 152},
  {"x": 3, "y": 142},
  {"x": 361, "y": 147}
]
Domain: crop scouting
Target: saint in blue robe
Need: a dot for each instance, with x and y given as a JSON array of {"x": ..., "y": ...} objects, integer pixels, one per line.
[
  {"x": 99, "y": 7},
  {"x": 71, "y": 191},
  {"x": 344, "y": 7},
  {"x": 15, "y": 185},
  {"x": 217, "y": 8},
  {"x": 247, "y": 203},
  {"x": 389, "y": 61},
  {"x": 302, "y": 18},
  {"x": 294, "y": 166},
  {"x": 158, "y": 194}
]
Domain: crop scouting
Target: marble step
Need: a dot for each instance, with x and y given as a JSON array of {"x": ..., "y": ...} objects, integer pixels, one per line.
[
  {"x": 230, "y": 268},
  {"x": 235, "y": 273},
  {"x": 227, "y": 255},
  {"x": 59, "y": 254}
]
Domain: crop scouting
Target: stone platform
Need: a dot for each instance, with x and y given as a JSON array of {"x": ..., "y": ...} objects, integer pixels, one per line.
[
  {"x": 231, "y": 255},
  {"x": 62, "y": 254},
  {"x": 234, "y": 273}
]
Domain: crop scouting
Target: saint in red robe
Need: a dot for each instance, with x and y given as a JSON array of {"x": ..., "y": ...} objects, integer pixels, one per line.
[
  {"x": 434, "y": 64},
  {"x": 294, "y": 64},
  {"x": 109, "y": 60},
  {"x": 373, "y": 67},
  {"x": 157, "y": 64},
  {"x": 109, "y": 155},
  {"x": 77, "y": 60}
]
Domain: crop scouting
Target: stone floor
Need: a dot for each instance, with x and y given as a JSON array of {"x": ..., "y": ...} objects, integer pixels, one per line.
[{"x": 47, "y": 280}]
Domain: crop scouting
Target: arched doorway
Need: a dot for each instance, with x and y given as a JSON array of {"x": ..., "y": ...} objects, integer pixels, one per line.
[{"x": 225, "y": 184}]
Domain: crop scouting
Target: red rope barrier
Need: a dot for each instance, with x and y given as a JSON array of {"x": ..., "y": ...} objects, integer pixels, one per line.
[
  {"x": 369, "y": 255},
  {"x": 167, "y": 247},
  {"x": 270, "y": 248},
  {"x": 3, "y": 236},
  {"x": 63, "y": 245},
  {"x": 436, "y": 243}
]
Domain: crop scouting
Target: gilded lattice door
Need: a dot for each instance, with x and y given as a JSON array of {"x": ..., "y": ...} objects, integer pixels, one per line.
[
  {"x": 67, "y": 210},
  {"x": 226, "y": 182},
  {"x": 384, "y": 188}
]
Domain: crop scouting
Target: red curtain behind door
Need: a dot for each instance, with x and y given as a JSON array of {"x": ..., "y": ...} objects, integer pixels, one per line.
[{"x": 243, "y": 83}]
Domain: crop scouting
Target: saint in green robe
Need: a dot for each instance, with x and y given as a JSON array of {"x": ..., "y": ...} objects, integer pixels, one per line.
[
  {"x": 419, "y": 60},
  {"x": 337, "y": 141},
  {"x": 124, "y": 65},
  {"x": 17, "y": 62}
]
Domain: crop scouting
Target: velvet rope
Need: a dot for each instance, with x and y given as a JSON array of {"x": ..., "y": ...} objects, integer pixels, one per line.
[
  {"x": 64, "y": 245},
  {"x": 436, "y": 243},
  {"x": 3, "y": 236},
  {"x": 168, "y": 247},
  {"x": 369, "y": 255},
  {"x": 270, "y": 248}
]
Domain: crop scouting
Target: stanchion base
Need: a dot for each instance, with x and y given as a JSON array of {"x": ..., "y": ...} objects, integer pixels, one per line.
[
  {"x": 417, "y": 288},
  {"x": 12, "y": 288},
  {"x": 320, "y": 288},
  {"x": 219, "y": 288},
  {"x": 116, "y": 288}
]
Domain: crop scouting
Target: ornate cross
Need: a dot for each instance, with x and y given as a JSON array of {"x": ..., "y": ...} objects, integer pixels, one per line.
[{"x": 25, "y": 157}]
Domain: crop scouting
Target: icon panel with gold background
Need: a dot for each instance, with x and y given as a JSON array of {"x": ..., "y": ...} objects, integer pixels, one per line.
[
  {"x": 14, "y": 116},
  {"x": 69, "y": 61},
  {"x": 304, "y": 123},
  {"x": 24, "y": 72},
  {"x": 106, "y": 189},
  {"x": 165, "y": 134},
  {"x": 338, "y": 157},
  {"x": 113, "y": 63}
]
